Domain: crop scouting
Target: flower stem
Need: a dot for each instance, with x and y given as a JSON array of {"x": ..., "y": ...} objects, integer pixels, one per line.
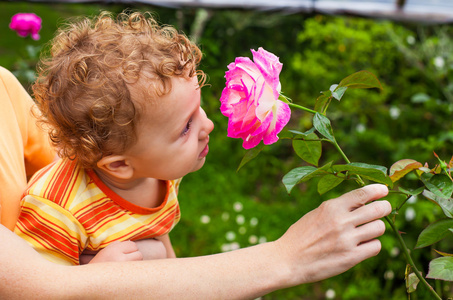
[
  {"x": 302, "y": 108},
  {"x": 410, "y": 260}
]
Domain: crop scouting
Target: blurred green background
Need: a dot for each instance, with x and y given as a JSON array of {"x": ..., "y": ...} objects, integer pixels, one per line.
[{"x": 223, "y": 209}]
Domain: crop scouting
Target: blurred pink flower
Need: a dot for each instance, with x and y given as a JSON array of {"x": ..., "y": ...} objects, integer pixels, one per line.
[
  {"x": 25, "y": 24},
  {"x": 250, "y": 99}
]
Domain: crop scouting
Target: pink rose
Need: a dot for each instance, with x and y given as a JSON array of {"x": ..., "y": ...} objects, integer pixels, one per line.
[
  {"x": 25, "y": 24},
  {"x": 250, "y": 99}
]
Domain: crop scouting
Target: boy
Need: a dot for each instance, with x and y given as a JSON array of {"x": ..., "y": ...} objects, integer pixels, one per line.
[{"x": 122, "y": 102}]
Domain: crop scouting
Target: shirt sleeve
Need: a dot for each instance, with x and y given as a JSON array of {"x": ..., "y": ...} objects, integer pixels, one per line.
[{"x": 51, "y": 230}]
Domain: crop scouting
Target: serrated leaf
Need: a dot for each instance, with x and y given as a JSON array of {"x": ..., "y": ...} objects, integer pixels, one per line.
[
  {"x": 402, "y": 167},
  {"x": 441, "y": 268},
  {"x": 434, "y": 233},
  {"x": 309, "y": 151},
  {"x": 250, "y": 154},
  {"x": 322, "y": 125},
  {"x": 361, "y": 80},
  {"x": 328, "y": 182},
  {"x": 370, "y": 172},
  {"x": 445, "y": 203}
]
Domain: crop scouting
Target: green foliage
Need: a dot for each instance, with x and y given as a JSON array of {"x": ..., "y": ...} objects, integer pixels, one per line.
[{"x": 409, "y": 118}]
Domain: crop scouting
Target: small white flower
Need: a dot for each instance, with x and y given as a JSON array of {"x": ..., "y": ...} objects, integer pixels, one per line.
[
  {"x": 389, "y": 275},
  {"x": 237, "y": 206},
  {"x": 439, "y": 62},
  {"x": 262, "y": 240},
  {"x": 360, "y": 128},
  {"x": 394, "y": 112},
  {"x": 240, "y": 219},
  {"x": 235, "y": 246},
  {"x": 330, "y": 294},
  {"x": 394, "y": 252},
  {"x": 230, "y": 236},
  {"x": 410, "y": 39},
  {"x": 205, "y": 219},
  {"x": 410, "y": 214},
  {"x": 253, "y": 239},
  {"x": 253, "y": 222},
  {"x": 225, "y": 247}
]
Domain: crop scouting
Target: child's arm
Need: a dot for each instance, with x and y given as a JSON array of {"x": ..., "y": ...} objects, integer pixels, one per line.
[
  {"x": 309, "y": 251},
  {"x": 168, "y": 246}
]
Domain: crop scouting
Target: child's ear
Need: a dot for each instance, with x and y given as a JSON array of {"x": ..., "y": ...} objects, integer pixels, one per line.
[{"x": 116, "y": 165}]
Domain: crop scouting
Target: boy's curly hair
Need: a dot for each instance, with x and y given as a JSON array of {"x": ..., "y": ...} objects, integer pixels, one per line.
[{"x": 83, "y": 88}]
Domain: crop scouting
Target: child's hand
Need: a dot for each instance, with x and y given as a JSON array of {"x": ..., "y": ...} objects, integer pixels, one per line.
[
  {"x": 117, "y": 251},
  {"x": 151, "y": 249}
]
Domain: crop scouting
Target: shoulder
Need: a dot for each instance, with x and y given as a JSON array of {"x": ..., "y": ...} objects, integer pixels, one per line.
[{"x": 58, "y": 182}]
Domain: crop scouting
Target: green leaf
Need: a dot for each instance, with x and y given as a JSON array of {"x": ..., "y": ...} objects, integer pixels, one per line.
[
  {"x": 302, "y": 174},
  {"x": 328, "y": 182},
  {"x": 302, "y": 134},
  {"x": 323, "y": 101},
  {"x": 309, "y": 151},
  {"x": 412, "y": 192},
  {"x": 445, "y": 203},
  {"x": 250, "y": 154},
  {"x": 441, "y": 268},
  {"x": 360, "y": 80},
  {"x": 338, "y": 92},
  {"x": 439, "y": 184},
  {"x": 322, "y": 125},
  {"x": 369, "y": 172},
  {"x": 434, "y": 233},
  {"x": 295, "y": 175},
  {"x": 368, "y": 166},
  {"x": 412, "y": 282}
]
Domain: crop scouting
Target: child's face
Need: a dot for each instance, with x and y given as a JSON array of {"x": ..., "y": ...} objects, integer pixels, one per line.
[{"x": 173, "y": 134}]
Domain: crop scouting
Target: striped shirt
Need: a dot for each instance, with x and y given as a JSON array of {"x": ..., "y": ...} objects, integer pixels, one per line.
[{"x": 67, "y": 209}]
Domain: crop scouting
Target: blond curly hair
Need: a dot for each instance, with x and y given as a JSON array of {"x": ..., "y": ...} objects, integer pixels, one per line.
[{"x": 83, "y": 89}]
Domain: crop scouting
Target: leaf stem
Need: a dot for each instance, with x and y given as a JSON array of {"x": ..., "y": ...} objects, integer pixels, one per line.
[
  {"x": 409, "y": 258},
  {"x": 302, "y": 108},
  {"x": 359, "y": 179},
  {"x": 401, "y": 205}
]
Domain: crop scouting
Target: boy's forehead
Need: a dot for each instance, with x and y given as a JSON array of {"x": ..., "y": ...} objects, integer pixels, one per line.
[{"x": 171, "y": 107}]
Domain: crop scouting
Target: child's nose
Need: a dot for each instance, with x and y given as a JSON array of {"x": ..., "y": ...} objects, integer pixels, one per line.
[{"x": 207, "y": 128}]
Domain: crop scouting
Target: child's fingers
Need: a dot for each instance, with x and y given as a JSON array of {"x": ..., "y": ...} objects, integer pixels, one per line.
[
  {"x": 134, "y": 256},
  {"x": 126, "y": 246}
]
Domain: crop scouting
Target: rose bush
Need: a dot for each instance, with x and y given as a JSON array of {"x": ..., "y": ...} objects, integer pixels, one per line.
[
  {"x": 26, "y": 24},
  {"x": 251, "y": 99},
  {"x": 251, "y": 96}
]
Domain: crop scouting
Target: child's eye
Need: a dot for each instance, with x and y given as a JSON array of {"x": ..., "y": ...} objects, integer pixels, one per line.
[{"x": 187, "y": 128}]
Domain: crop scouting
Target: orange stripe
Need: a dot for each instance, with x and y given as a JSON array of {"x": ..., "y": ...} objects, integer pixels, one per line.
[
  {"x": 40, "y": 242},
  {"x": 58, "y": 241},
  {"x": 61, "y": 183}
]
